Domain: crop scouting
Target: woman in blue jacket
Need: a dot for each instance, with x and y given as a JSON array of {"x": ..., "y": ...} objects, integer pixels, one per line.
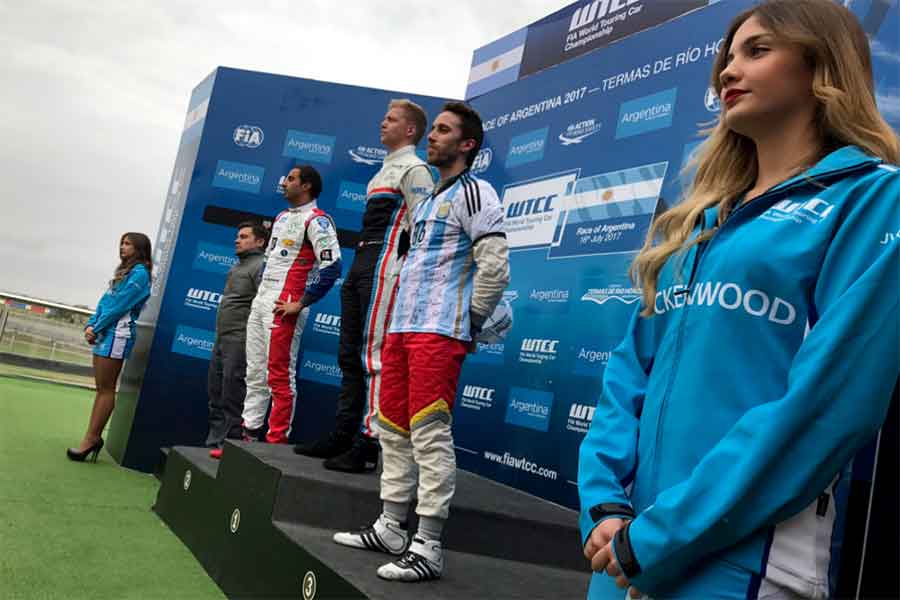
[
  {"x": 111, "y": 331},
  {"x": 765, "y": 351}
]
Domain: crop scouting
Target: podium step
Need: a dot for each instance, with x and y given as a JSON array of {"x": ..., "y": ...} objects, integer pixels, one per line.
[
  {"x": 260, "y": 522},
  {"x": 465, "y": 575}
]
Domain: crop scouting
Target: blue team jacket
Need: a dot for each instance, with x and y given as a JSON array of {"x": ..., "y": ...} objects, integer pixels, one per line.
[
  {"x": 734, "y": 412},
  {"x": 121, "y": 305}
]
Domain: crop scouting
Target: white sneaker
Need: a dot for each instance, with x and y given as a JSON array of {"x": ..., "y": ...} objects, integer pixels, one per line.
[
  {"x": 423, "y": 562},
  {"x": 385, "y": 535}
]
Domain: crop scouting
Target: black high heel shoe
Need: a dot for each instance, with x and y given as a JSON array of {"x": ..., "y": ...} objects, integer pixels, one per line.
[{"x": 89, "y": 454}]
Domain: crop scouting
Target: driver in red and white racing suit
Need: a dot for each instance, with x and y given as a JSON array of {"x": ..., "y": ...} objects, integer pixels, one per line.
[{"x": 303, "y": 237}]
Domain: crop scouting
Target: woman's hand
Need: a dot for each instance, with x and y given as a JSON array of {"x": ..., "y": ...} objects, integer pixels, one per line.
[
  {"x": 90, "y": 336},
  {"x": 284, "y": 308}
]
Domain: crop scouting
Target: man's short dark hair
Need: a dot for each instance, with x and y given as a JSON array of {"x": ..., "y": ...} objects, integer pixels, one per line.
[
  {"x": 311, "y": 176},
  {"x": 470, "y": 125},
  {"x": 259, "y": 231}
]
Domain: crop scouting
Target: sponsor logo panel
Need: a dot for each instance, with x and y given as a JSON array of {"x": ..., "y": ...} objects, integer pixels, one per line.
[
  {"x": 489, "y": 354},
  {"x": 194, "y": 342},
  {"x": 591, "y": 360},
  {"x": 327, "y": 324},
  {"x": 529, "y": 408},
  {"x": 312, "y": 147},
  {"x": 201, "y": 299},
  {"x": 531, "y": 209},
  {"x": 527, "y": 148},
  {"x": 645, "y": 114},
  {"x": 248, "y": 136},
  {"x": 352, "y": 196},
  {"x": 538, "y": 351},
  {"x": 576, "y": 133},
  {"x": 482, "y": 161},
  {"x": 214, "y": 258},
  {"x": 238, "y": 176},
  {"x": 477, "y": 397},
  {"x": 367, "y": 155},
  {"x": 608, "y": 213},
  {"x": 580, "y": 417},
  {"x": 320, "y": 368}
]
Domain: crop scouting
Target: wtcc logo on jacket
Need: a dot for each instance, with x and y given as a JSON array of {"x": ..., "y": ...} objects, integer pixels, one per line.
[
  {"x": 238, "y": 176},
  {"x": 312, "y": 147},
  {"x": 580, "y": 417},
  {"x": 367, "y": 155},
  {"x": 729, "y": 296},
  {"x": 648, "y": 113},
  {"x": 811, "y": 211},
  {"x": 477, "y": 397},
  {"x": 529, "y": 408},
  {"x": 248, "y": 136},
  {"x": 327, "y": 324},
  {"x": 193, "y": 342},
  {"x": 537, "y": 351},
  {"x": 202, "y": 299}
]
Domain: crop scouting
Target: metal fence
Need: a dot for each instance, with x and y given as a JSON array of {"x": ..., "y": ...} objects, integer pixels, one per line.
[{"x": 46, "y": 331}]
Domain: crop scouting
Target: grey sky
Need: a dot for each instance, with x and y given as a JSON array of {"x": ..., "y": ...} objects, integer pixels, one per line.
[{"x": 94, "y": 96}]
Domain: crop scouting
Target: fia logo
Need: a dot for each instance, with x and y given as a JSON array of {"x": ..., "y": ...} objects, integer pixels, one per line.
[
  {"x": 248, "y": 136},
  {"x": 482, "y": 161}
]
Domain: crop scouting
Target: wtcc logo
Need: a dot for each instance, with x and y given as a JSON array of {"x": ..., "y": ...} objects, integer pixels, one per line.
[
  {"x": 482, "y": 161},
  {"x": 538, "y": 351},
  {"x": 477, "y": 398},
  {"x": 248, "y": 136},
  {"x": 619, "y": 293},
  {"x": 367, "y": 155},
  {"x": 327, "y": 324},
  {"x": 598, "y": 9},
  {"x": 578, "y": 132},
  {"x": 812, "y": 211},
  {"x": 580, "y": 417},
  {"x": 202, "y": 299}
]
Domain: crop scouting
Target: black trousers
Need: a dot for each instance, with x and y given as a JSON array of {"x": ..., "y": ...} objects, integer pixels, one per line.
[
  {"x": 226, "y": 387},
  {"x": 356, "y": 293}
]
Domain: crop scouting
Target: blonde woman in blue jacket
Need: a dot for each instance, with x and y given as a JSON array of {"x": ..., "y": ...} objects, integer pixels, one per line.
[
  {"x": 765, "y": 351},
  {"x": 111, "y": 331}
]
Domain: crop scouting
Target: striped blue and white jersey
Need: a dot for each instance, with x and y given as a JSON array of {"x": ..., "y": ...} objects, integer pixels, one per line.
[{"x": 435, "y": 292}]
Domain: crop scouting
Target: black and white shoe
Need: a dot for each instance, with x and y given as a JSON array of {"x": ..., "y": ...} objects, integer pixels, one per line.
[
  {"x": 423, "y": 562},
  {"x": 385, "y": 535}
]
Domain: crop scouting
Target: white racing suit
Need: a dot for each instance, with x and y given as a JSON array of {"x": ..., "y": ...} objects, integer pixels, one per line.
[{"x": 303, "y": 238}]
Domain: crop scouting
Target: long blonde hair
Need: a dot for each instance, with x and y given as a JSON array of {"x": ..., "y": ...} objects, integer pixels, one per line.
[{"x": 837, "y": 50}]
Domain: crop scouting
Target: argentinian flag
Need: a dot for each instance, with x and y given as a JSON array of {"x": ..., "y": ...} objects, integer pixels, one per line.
[{"x": 496, "y": 64}]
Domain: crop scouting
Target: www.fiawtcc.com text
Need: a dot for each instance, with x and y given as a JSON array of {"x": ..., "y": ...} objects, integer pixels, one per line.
[{"x": 521, "y": 463}]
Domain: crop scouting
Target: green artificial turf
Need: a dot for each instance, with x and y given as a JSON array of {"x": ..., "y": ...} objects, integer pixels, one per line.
[{"x": 72, "y": 530}]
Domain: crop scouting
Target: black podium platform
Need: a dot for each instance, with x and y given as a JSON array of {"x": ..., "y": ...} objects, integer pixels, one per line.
[{"x": 260, "y": 522}]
